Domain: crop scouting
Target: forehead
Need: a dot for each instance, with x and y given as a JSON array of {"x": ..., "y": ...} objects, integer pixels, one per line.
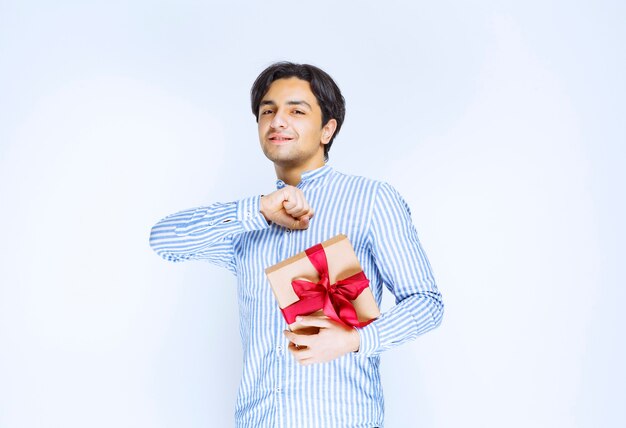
[{"x": 289, "y": 89}]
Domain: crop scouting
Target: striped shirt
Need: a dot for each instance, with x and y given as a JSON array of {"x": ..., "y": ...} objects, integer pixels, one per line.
[{"x": 275, "y": 390}]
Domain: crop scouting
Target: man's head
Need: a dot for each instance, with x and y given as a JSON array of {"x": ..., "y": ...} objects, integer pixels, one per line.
[{"x": 329, "y": 103}]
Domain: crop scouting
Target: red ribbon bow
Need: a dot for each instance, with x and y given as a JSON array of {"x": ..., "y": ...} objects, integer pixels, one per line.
[{"x": 334, "y": 299}]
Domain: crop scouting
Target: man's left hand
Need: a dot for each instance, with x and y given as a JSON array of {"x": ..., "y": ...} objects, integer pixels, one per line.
[{"x": 332, "y": 341}]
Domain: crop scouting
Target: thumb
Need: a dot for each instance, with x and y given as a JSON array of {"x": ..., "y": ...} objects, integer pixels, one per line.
[{"x": 285, "y": 220}]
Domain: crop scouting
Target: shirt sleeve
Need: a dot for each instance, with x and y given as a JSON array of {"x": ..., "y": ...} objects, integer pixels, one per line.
[
  {"x": 207, "y": 233},
  {"x": 405, "y": 271}
]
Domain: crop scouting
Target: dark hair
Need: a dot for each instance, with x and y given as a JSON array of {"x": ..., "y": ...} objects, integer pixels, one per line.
[{"x": 324, "y": 88}]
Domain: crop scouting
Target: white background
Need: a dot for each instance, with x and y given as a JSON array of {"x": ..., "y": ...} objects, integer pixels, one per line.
[{"x": 502, "y": 124}]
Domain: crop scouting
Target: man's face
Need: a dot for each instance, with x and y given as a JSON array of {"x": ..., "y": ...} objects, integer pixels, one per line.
[{"x": 290, "y": 125}]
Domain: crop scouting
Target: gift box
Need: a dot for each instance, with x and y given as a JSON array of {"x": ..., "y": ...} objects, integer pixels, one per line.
[{"x": 324, "y": 279}]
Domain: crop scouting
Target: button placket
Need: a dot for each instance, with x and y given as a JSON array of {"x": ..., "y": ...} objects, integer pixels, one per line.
[{"x": 278, "y": 386}]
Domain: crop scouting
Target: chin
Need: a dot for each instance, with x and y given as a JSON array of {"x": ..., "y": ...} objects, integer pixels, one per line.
[{"x": 275, "y": 154}]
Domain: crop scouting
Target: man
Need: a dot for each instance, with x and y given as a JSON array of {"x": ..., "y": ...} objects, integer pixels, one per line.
[{"x": 330, "y": 379}]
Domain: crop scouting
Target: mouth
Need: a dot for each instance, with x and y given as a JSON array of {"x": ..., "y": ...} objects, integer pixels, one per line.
[{"x": 279, "y": 138}]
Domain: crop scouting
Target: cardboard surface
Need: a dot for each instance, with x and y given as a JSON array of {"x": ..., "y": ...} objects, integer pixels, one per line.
[{"x": 342, "y": 263}]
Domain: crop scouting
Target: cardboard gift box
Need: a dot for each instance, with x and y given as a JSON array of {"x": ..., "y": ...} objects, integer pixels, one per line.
[{"x": 324, "y": 279}]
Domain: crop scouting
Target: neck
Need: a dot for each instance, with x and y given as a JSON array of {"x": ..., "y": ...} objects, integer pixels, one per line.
[{"x": 293, "y": 174}]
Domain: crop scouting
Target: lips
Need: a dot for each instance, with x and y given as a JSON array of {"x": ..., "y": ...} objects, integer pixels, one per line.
[{"x": 279, "y": 138}]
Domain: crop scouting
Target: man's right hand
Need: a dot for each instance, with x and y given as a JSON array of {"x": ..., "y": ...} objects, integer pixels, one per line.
[{"x": 287, "y": 207}]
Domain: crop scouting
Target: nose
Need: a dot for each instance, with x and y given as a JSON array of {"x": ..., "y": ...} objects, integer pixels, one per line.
[{"x": 278, "y": 121}]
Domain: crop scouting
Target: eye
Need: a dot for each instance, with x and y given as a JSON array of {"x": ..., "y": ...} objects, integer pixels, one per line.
[
  {"x": 298, "y": 112},
  {"x": 266, "y": 111}
]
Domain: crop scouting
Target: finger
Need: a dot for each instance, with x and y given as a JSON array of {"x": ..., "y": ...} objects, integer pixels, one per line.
[
  {"x": 307, "y": 361},
  {"x": 303, "y": 356},
  {"x": 295, "y": 206},
  {"x": 290, "y": 196},
  {"x": 306, "y": 358},
  {"x": 289, "y": 205},
  {"x": 315, "y": 321},
  {"x": 298, "y": 211},
  {"x": 298, "y": 339},
  {"x": 302, "y": 207},
  {"x": 301, "y": 223},
  {"x": 299, "y": 352},
  {"x": 306, "y": 209},
  {"x": 288, "y": 201},
  {"x": 285, "y": 220}
]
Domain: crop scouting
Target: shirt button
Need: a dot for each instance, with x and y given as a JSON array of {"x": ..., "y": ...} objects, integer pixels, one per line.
[
  {"x": 279, "y": 349},
  {"x": 278, "y": 389},
  {"x": 288, "y": 230}
]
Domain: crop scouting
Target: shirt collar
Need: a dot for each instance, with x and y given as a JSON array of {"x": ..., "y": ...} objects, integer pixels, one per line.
[{"x": 308, "y": 176}]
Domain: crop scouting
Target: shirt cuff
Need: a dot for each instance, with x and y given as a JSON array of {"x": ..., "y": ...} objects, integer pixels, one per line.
[
  {"x": 370, "y": 340},
  {"x": 249, "y": 214}
]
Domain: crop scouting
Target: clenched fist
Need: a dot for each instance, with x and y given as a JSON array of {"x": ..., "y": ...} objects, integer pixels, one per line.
[{"x": 287, "y": 207}]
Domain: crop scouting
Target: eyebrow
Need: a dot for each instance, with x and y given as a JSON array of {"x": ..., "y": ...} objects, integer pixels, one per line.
[{"x": 291, "y": 103}]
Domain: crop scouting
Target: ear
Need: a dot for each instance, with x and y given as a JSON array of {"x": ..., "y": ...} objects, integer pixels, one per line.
[{"x": 328, "y": 130}]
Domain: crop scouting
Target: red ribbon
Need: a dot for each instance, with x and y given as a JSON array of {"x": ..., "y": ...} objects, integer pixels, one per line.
[{"x": 334, "y": 299}]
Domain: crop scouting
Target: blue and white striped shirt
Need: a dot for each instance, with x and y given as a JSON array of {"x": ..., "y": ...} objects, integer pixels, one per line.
[{"x": 276, "y": 391}]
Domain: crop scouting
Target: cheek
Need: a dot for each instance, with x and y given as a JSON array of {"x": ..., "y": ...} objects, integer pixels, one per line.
[
  {"x": 309, "y": 129},
  {"x": 315, "y": 134}
]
